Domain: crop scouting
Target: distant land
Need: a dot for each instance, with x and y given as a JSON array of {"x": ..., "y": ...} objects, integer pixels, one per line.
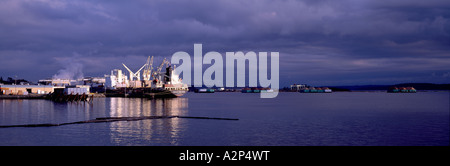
[{"x": 417, "y": 86}]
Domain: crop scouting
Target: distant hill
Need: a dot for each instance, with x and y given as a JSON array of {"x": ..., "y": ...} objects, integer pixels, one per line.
[
  {"x": 417, "y": 86},
  {"x": 426, "y": 86}
]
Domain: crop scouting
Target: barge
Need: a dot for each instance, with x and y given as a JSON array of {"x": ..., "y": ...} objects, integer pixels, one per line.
[
  {"x": 204, "y": 90},
  {"x": 256, "y": 90},
  {"x": 316, "y": 90},
  {"x": 402, "y": 90}
]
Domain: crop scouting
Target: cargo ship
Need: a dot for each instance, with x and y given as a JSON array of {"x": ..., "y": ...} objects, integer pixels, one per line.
[
  {"x": 164, "y": 85},
  {"x": 165, "y": 92},
  {"x": 168, "y": 87}
]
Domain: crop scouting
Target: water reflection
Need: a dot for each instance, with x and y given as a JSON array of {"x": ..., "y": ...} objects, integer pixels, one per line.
[
  {"x": 147, "y": 132},
  {"x": 23, "y": 111}
]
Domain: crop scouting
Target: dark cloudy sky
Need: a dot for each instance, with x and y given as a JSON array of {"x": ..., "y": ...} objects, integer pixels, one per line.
[{"x": 321, "y": 42}]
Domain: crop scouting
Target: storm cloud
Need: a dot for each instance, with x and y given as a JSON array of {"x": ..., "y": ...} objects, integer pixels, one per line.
[{"x": 321, "y": 42}]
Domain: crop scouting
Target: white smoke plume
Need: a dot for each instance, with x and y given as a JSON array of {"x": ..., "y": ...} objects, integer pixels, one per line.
[{"x": 73, "y": 68}]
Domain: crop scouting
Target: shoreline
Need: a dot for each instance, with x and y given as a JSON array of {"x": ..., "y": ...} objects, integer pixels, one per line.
[
  {"x": 39, "y": 96},
  {"x": 101, "y": 95}
]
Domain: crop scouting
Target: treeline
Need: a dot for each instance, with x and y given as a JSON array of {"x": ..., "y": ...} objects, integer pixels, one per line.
[
  {"x": 417, "y": 86},
  {"x": 10, "y": 81}
]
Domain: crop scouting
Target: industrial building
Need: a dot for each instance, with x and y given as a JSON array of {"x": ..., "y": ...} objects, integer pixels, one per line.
[
  {"x": 116, "y": 80},
  {"x": 77, "y": 90},
  {"x": 25, "y": 89}
]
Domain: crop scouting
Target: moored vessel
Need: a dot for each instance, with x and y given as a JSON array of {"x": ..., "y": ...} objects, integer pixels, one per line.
[
  {"x": 316, "y": 90},
  {"x": 256, "y": 90},
  {"x": 401, "y": 90},
  {"x": 155, "y": 84},
  {"x": 204, "y": 90}
]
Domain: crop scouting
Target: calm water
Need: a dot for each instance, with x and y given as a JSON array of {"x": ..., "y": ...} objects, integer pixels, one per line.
[{"x": 346, "y": 118}]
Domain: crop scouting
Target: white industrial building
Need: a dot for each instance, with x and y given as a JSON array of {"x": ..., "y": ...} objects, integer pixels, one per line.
[
  {"x": 77, "y": 90},
  {"x": 116, "y": 80}
]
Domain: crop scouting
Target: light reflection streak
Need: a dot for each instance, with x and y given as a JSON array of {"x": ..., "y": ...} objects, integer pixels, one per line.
[{"x": 144, "y": 132}]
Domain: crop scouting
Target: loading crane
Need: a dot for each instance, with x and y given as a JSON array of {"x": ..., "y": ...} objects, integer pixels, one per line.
[
  {"x": 158, "y": 70},
  {"x": 147, "y": 73},
  {"x": 157, "y": 74},
  {"x": 136, "y": 74}
]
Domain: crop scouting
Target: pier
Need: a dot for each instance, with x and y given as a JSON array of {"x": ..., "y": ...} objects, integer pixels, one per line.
[{"x": 70, "y": 98}]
